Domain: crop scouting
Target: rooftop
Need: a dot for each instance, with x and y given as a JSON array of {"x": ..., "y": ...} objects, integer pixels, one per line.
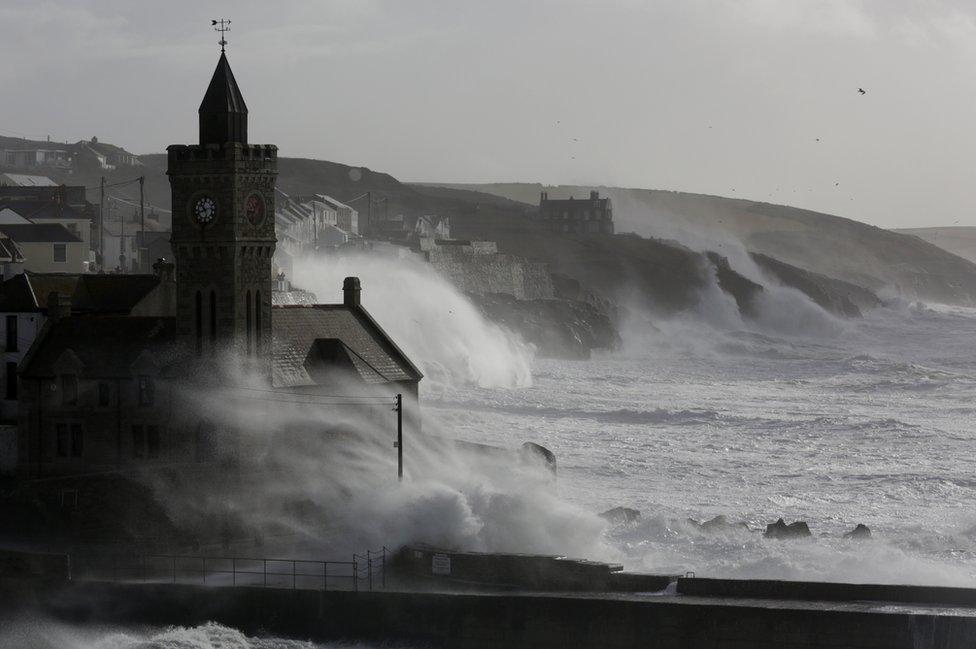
[
  {"x": 39, "y": 233},
  {"x": 353, "y": 336}
]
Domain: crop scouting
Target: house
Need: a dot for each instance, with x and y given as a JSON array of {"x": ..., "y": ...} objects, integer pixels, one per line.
[
  {"x": 48, "y": 247},
  {"x": 577, "y": 216},
  {"x": 24, "y": 304},
  {"x": 114, "y": 156},
  {"x": 72, "y": 219},
  {"x": 346, "y": 217},
  {"x": 33, "y": 156},
  {"x": 107, "y": 392}
]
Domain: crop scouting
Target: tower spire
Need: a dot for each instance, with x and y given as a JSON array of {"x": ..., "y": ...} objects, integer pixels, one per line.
[{"x": 221, "y": 25}]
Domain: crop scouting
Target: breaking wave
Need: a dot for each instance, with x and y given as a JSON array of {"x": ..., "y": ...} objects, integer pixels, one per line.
[{"x": 437, "y": 326}]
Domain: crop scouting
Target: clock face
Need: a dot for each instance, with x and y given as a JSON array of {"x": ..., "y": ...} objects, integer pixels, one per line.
[
  {"x": 205, "y": 210},
  {"x": 254, "y": 209}
]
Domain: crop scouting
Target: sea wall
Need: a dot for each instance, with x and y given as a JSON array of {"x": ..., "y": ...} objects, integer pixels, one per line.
[
  {"x": 486, "y": 274},
  {"x": 497, "y": 620}
]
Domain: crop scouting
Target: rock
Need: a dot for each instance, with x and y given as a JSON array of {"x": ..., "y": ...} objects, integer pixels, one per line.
[
  {"x": 780, "y": 530},
  {"x": 860, "y": 532},
  {"x": 721, "y": 523},
  {"x": 532, "y": 453},
  {"x": 620, "y": 515},
  {"x": 717, "y": 524},
  {"x": 559, "y": 328}
]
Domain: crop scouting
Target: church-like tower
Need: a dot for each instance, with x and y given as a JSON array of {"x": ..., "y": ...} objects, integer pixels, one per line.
[{"x": 223, "y": 229}]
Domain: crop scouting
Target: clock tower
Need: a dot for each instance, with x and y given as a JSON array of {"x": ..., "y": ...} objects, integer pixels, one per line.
[{"x": 224, "y": 230}]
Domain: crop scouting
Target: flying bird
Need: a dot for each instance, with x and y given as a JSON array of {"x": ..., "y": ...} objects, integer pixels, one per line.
[{"x": 862, "y": 91}]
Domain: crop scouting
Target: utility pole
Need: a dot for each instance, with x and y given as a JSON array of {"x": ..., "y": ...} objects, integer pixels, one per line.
[
  {"x": 142, "y": 219},
  {"x": 101, "y": 227},
  {"x": 399, "y": 443}
]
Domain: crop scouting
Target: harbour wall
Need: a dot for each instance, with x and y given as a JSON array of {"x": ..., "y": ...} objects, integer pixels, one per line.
[{"x": 519, "y": 619}]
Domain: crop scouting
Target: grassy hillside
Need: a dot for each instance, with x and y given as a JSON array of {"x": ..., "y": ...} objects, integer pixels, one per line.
[{"x": 959, "y": 241}]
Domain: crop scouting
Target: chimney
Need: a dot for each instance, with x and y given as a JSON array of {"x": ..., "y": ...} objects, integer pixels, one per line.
[
  {"x": 545, "y": 196},
  {"x": 594, "y": 195},
  {"x": 351, "y": 291},
  {"x": 58, "y": 306},
  {"x": 164, "y": 270}
]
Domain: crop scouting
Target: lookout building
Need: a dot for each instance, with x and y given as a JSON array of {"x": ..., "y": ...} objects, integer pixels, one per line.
[{"x": 593, "y": 215}]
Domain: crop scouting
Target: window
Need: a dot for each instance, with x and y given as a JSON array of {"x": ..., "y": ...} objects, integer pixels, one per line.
[
  {"x": 198, "y": 315},
  {"x": 63, "y": 441},
  {"x": 152, "y": 442},
  {"x": 11, "y": 333},
  {"x": 147, "y": 391},
  {"x": 69, "y": 390},
  {"x": 69, "y": 498},
  {"x": 104, "y": 394},
  {"x": 11, "y": 381},
  {"x": 213, "y": 319},
  {"x": 69, "y": 440},
  {"x": 77, "y": 440},
  {"x": 60, "y": 252},
  {"x": 138, "y": 442},
  {"x": 257, "y": 322},
  {"x": 247, "y": 328}
]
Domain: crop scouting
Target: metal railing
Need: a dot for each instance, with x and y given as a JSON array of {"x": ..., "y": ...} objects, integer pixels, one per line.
[{"x": 368, "y": 571}]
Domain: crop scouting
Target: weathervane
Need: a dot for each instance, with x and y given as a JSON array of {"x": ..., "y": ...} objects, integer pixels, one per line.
[{"x": 221, "y": 26}]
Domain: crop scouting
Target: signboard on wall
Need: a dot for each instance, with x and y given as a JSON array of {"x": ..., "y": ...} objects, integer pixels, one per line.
[{"x": 440, "y": 564}]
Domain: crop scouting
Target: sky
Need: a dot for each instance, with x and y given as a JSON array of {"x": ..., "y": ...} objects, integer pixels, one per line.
[{"x": 753, "y": 99}]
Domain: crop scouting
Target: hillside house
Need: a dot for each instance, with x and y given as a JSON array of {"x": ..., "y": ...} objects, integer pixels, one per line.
[{"x": 593, "y": 215}]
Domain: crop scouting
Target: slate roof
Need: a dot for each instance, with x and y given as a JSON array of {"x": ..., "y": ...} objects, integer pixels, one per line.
[
  {"x": 39, "y": 233},
  {"x": 223, "y": 95},
  {"x": 44, "y": 210},
  {"x": 106, "y": 294},
  {"x": 27, "y": 180},
  {"x": 305, "y": 338},
  {"x": 374, "y": 356},
  {"x": 107, "y": 346}
]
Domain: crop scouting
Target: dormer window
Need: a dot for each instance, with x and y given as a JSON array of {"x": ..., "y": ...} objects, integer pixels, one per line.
[
  {"x": 69, "y": 390},
  {"x": 147, "y": 391}
]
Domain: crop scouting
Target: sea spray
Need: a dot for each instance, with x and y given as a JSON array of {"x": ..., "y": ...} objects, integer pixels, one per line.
[
  {"x": 318, "y": 480},
  {"x": 39, "y": 633},
  {"x": 434, "y": 323}
]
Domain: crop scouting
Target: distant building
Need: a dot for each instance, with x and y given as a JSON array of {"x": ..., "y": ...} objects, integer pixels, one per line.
[
  {"x": 571, "y": 216},
  {"x": 48, "y": 247},
  {"x": 346, "y": 217},
  {"x": 113, "y": 156},
  {"x": 31, "y": 156}
]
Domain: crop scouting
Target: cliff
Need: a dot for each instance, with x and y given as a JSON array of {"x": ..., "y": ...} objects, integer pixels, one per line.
[{"x": 830, "y": 245}]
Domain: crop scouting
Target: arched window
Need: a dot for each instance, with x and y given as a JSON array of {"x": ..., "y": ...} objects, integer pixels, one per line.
[
  {"x": 198, "y": 319},
  {"x": 257, "y": 322},
  {"x": 213, "y": 319},
  {"x": 247, "y": 328}
]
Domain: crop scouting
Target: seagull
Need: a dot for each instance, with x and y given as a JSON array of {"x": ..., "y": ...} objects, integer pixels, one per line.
[{"x": 862, "y": 91}]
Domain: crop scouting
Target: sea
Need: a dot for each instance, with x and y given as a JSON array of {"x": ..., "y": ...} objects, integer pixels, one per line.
[{"x": 794, "y": 414}]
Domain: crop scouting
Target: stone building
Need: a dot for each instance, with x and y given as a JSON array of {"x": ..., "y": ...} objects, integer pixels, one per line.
[
  {"x": 113, "y": 392},
  {"x": 593, "y": 215}
]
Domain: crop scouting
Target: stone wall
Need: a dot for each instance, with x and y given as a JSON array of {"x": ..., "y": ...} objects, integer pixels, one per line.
[
  {"x": 513, "y": 620},
  {"x": 485, "y": 274}
]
